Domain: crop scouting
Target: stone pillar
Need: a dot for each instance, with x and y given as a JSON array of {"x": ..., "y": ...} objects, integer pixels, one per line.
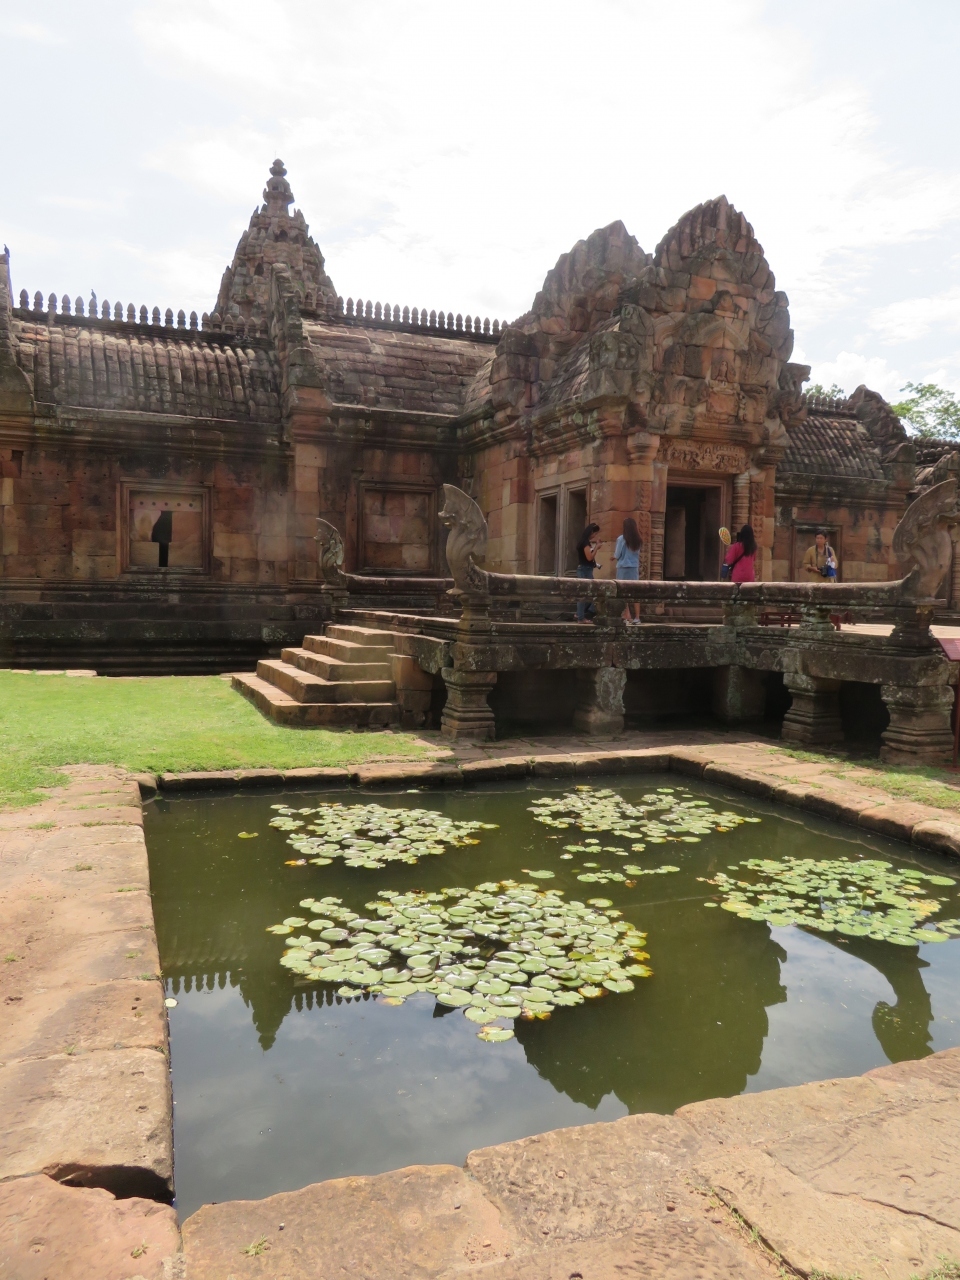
[
  {"x": 414, "y": 688},
  {"x": 739, "y": 693},
  {"x": 919, "y": 730},
  {"x": 740, "y": 515},
  {"x": 467, "y": 716},
  {"x": 814, "y": 715},
  {"x": 600, "y": 700}
]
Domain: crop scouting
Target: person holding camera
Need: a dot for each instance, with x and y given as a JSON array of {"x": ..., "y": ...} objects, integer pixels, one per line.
[{"x": 821, "y": 559}]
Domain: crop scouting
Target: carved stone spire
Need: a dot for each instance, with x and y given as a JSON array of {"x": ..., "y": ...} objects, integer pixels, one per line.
[{"x": 274, "y": 236}]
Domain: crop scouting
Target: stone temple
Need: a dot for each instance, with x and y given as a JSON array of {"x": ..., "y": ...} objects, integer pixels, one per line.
[{"x": 162, "y": 475}]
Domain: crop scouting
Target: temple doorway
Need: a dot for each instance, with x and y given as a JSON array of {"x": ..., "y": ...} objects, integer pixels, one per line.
[{"x": 691, "y": 532}]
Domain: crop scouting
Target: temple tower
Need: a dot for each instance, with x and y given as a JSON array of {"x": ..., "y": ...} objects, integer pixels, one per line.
[{"x": 274, "y": 236}]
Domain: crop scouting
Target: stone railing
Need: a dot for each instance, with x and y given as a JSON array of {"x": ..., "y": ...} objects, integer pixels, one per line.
[
  {"x": 379, "y": 315},
  {"x": 368, "y": 314},
  {"x": 151, "y": 321},
  {"x": 828, "y": 404}
]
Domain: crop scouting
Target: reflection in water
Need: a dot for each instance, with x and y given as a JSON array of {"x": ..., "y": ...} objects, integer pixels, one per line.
[
  {"x": 903, "y": 1029},
  {"x": 696, "y": 1032},
  {"x": 319, "y": 1087}
]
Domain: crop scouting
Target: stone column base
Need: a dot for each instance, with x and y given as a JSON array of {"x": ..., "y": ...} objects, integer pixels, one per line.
[
  {"x": 814, "y": 715},
  {"x": 919, "y": 731},
  {"x": 467, "y": 716},
  {"x": 600, "y": 700}
]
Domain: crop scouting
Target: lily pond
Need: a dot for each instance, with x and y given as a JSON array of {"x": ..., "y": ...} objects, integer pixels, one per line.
[{"x": 359, "y": 982}]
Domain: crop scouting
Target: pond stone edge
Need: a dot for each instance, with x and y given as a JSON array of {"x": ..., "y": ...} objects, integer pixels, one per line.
[{"x": 922, "y": 825}]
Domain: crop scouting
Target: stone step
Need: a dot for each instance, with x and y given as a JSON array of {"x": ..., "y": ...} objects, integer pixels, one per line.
[
  {"x": 333, "y": 668},
  {"x": 345, "y": 650},
  {"x": 369, "y": 636},
  {"x": 285, "y": 710},
  {"x": 309, "y": 688}
]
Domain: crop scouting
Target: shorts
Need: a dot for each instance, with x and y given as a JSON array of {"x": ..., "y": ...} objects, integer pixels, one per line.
[{"x": 628, "y": 574}]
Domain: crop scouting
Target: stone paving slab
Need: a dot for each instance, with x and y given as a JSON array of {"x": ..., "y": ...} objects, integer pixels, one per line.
[
  {"x": 51, "y": 1232},
  {"x": 81, "y": 1019},
  {"x": 84, "y": 1069},
  {"x": 96, "y": 1119}
]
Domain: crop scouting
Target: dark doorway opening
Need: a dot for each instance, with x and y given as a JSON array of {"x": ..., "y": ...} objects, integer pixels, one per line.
[
  {"x": 863, "y": 714},
  {"x": 691, "y": 533},
  {"x": 576, "y": 523},
  {"x": 547, "y": 535}
]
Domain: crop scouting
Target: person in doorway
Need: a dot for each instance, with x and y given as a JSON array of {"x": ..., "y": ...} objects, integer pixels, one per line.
[
  {"x": 741, "y": 556},
  {"x": 586, "y": 563},
  {"x": 821, "y": 560},
  {"x": 627, "y": 555}
]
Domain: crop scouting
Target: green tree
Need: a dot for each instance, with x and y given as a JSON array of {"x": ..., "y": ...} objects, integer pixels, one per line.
[
  {"x": 833, "y": 392},
  {"x": 929, "y": 410}
]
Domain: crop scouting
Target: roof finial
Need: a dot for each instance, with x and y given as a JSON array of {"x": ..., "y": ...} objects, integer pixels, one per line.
[{"x": 277, "y": 192}]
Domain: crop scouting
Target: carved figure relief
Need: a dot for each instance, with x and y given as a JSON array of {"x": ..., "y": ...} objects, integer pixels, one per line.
[
  {"x": 693, "y": 455},
  {"x": 329, "y": 552}
]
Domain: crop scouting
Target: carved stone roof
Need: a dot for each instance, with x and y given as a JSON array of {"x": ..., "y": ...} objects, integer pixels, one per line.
[
  {"x": 106, "y": 365},
  {"x": 832, "y": 446},
  {"x": 395, "y": 369}
]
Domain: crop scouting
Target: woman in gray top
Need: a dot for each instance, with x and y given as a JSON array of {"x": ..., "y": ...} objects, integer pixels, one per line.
[{"x": 627, "y": 555}]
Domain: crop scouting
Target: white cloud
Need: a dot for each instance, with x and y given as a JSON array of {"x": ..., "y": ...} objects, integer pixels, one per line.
[
  {"x": 36, "y": 32},
  {"x": 849, "y": 369},
  {"x": 914, "y": 318},
  {"x": 446, "y": 155}
]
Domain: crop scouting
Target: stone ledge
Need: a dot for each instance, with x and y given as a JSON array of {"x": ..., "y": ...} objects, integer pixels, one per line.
[
  {"x": 919, "y": 824},
  {"x": 48, "y": 1231},
  {"x": 97, "y": 1119}
]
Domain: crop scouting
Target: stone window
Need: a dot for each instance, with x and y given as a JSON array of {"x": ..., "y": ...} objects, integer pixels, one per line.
[
  {"x": 562, "y": 515},
  {"x": 164, "y": 529},
  {"x": 397, "y": 530}
]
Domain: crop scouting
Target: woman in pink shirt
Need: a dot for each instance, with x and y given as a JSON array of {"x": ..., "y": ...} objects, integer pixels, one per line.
[{"x": 741, "y": 555}]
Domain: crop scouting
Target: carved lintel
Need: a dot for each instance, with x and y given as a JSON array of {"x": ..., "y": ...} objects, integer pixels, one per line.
[{"x": 702, "y": 455}]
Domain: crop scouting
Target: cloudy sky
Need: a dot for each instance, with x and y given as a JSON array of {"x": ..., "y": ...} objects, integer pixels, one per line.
[{"x": 445, "y": 152}]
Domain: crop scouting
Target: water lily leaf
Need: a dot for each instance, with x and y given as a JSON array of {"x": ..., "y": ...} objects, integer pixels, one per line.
[
  {"x": 599, "y": 902},
  {"x": 480, "y": 1014},
  {"x": 541, "y": 875},
  {"x": 619, "y": 986},
  {"x": 247, "y": 835},
  {"x": 495, "y": 1035},
  {"x": 453, "y": 999}
]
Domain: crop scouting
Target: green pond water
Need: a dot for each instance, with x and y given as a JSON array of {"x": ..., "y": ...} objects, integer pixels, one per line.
[{"x": 278, "y": 1081}]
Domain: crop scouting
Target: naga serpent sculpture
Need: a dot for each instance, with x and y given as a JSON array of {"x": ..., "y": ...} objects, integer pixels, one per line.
[
  {"x": 923, "y": 535},
  {"x": 467, "y": 539}
]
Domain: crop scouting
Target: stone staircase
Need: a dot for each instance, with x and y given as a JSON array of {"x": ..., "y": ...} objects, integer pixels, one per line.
[{"x": 344, "y": 677}]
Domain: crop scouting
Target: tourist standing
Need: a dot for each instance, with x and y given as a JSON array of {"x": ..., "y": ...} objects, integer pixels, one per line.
[
  {"x": 741, "y": 556},
  {"x": 627, "y": 555},
  {"x": 821, "y": 559},
  {"x": 586, "y": 563}
]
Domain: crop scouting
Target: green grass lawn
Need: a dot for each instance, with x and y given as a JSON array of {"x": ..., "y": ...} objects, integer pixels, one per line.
[{"x": 156, "y": 724}]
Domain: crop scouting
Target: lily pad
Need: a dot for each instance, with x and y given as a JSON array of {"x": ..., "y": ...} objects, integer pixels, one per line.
[
  {"x": 495, "y": 1035},
  {"x": 516, "y": 932}
]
